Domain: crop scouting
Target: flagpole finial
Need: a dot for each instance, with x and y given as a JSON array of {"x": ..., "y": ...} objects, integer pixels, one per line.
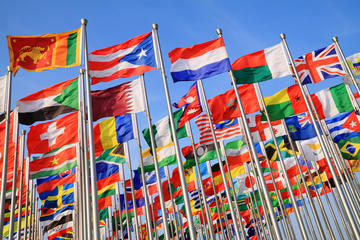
[
  {"x": 219, "y": 32},
  {"x": 8, "y": 68},
  {"x": 83, "y": 21},
  {"x": 335, "y": 39},
  {"x": 155, "y": 26},
  {"x": 282, "y": 36}
]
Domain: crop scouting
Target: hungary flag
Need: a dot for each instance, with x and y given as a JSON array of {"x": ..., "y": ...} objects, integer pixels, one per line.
[
  {"x": 261, "y": 66},
  {"x": 285, "y": 103},
  {"x": 49, "y": 103}
]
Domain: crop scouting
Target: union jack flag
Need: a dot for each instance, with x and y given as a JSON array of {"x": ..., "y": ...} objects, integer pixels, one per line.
[
  {"x": 304, "y": 118},
  {"x": 319, "y": 65}
]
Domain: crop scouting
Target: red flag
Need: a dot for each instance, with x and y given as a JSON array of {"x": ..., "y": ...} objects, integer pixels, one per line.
[{"x": 46, "y": 137}]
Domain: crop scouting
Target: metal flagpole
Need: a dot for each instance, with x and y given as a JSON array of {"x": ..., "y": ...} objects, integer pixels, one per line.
[
  {"x": 153, "y": 219},
  {"x": 282, "y": 165},
  {"x": 203, "y": 214},
  {"x": 111, "y": 236},
  {"x": 160, "y": 63},
  {"x": 32, "y": 219},
  {"x": 114, "y": 210},
  {"x": 21, "y": 187},
  {"x": 227, "y": 192},
  {"x": 155, "y": 158},
  {"x": 228, "y": 229},
  {"x": 6, "y": 151},
  {"x": 128, "y": 161},
  {"x": 143, "y": 178},
  {"x": 252, "y": 148},
  {"x": 27, "y": 197},
  {"x": 126, "y": 203},
  {"x": 118, "y": 207},
  {"x": 85, "y": 156},
  {"x": 95, "y": 207},
  {"x": 31, "y": 202},
  {"x": 202, "y": 189},
  {"x": 15, "y": 171},
  {"x": 322, "y": 143},
  {"x": 232, "y": 186}
]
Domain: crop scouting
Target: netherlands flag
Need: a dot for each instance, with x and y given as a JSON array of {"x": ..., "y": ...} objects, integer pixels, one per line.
[
  {"x": 133, "y": 57},
  {"x": 199, "y": 61}
]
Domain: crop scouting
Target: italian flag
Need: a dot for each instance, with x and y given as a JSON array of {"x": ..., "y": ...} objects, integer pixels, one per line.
[
  {"x": 285, "y": 103},
  {"x": 49, "y": 103},
  {"x": 54, "y": 162},
  {"x": 261, "y": 66}
]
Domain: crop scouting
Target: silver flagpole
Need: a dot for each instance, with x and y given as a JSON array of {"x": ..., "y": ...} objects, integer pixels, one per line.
[
  {"x": 126, "y": 203},
  {"x": 227, "y": 192},
  {"x": 118, "y": 206},
  {"x": 160, "y": 62},
  {"x": 33, "y": 202},
  {"x": 227, "y": 226},
  {"x": 15, "y": 170},
  {"x": 143, "y": 178},
  {"x": 21, "y": 187},
  {"x": 128, "y": 161},
  {"x": 6, "y": 151},
  {"x": 28, "y": 196},
  {"x": 84, "y": 159},
  {"x": 95, "y": 207},
  {"x": 156, "y": 164},
  {"x": 252, "y": 149},
  {"x": 322, "y": 143},
  {"x": 203, "y": 217},
  {"x": 232, "y": 186},
  {"x": 113, "y": 210},
  {"x": 281, "y": 161},
  {"x": 202, "y": 189},
  {"x": 110, "y": 223}
]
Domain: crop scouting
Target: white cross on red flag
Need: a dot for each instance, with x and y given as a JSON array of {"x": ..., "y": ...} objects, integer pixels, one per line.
[{"x": 48, "y": 136}]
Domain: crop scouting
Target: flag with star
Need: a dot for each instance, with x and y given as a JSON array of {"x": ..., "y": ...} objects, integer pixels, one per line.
[
  {"x": 133, "y": 57},
  {"x": 225, "y": 106},
  {"x": 285, "y": 103},
  {"x": 45, "y": 137},
  {"x": 344, "y": 126},
  {"x": 350, "y": 148},
  {"x": 54, "y": 162}
]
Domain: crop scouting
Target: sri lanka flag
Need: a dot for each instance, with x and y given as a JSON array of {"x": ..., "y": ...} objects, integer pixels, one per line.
[{"x": 199, "y": 61}]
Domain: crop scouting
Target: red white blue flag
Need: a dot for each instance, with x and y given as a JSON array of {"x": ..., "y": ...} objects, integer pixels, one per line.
[
  {"x": 319, "y": 65},
  {"x": 199, "y": 61},
  {"x": 131, "y": 58}
]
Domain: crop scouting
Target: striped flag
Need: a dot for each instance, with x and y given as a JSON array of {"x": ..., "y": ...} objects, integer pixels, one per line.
[{"x": 223, "y": 130}]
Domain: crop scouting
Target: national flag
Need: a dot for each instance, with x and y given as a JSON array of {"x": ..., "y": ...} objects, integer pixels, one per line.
[
  {"x": 332, "y": 101},
  {"x": 285, "y": 103},
  {"x": 123, "y": 99},
  {"x": 62, "y": 230},
  {"x": 354, "y": 64},
  {"x": 3, "y": 81},
  {"x": 191, "y": 104},
  {"x": 343, "y": 126},
  {"x": 109, "y": 132},
  {"x": 260, "y": 130},
  {"x": 65, "y": 218},
  {"x": 318, "y": 65},
  {"x": 49, "y": 183},
  {"x": 300, "y": 126},
  {"x": 165, "y": 156},
  {"x": 312, "y": 150},
  {"x": 54, "y": 162},
  {"x": 204, "y": 152},
  {"x": 226, "y": 107},
  {"x": 237, "y": 152},
  {"x": 223, "y": 130},
  {"x": 106, "y": 174},
  {"x": 49, "y": 103},
  {"x": 199, "y": 61},
  {"x": 262, "y": 65},
  {"x": 48, "y": 214},
  {"x": 133, "y": 57},
  {"x": 44, "y": 52},
  {"x": 61, "y": 195},
  {"x": 48, "y": 136},
  {"x": 115, "y": 154},
  {"x": 350, "y": 147}
]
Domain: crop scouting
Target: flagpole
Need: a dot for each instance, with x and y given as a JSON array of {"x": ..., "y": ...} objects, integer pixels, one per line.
[
  {"x": 118, "y": 207},
  {"x": 141, "y": 164},
  {"x": 85, "y": 156},
  {"x": 227, "y": 226},
  {"x": 113, "y": 210},
  {"x": 202, "y": 189},
  {"x": 28, "y": 202},
  {"x": 322, "y": 143},
  {"x": 6, "y": 151},
  {"x": 160, "y": 62},
  {"x": 128, "y": 160},
  {"x": 21, "y": 157},
  {"x": 32, "y": 219},
  {"x": 203, "y": 214},
  {"x": 126, "y": 203}
]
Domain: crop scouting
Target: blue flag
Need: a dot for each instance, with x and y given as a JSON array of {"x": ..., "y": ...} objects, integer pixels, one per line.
[
  {"x": 300, "y": 126},
  {"x": 344, "y": 126}
]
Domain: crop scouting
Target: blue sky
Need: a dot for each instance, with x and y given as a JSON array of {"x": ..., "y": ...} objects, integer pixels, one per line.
[{"x": 247, "y": 26}]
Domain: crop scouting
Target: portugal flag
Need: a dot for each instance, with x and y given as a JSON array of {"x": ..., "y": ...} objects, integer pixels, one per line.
[{"x": 43, "y": 52}]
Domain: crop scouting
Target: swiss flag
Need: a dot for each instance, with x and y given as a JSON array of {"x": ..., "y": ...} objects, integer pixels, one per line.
[
  {"x": 48, "y": 136},
  {"x": 352, "y": 122}
]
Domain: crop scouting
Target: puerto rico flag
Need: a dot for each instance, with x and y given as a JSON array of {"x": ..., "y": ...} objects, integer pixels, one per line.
[
  {"x": 199, "y": 61},
  {"x": 319, "y": 65},
  {"x": 131, "y": 58}
]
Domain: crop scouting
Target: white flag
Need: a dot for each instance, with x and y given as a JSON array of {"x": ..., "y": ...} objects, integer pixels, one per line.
[{"x": 2, "y": 92}]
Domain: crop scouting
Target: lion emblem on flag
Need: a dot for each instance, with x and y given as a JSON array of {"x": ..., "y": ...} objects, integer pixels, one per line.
[{"x": 35, "y": 53}]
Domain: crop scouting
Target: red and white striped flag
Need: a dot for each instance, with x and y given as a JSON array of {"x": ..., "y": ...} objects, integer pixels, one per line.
[{"x": 223, "y": 130}]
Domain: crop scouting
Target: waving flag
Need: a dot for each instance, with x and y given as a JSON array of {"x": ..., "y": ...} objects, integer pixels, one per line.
[
  {"x": 199, "y": 61},
  {"x": 51, "y": 182},
  {"x": 354, "y": 64},
  {"x": 133, "y": 57},
  {"x": 344, "y": 126},
  {"x": 61, "y": 195},
  {"x": 300, "y": 126},
  {"x": 191, "y": 104},
  {"x": 260, "y": 130},
  {"x": 319, "y": 65}
]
